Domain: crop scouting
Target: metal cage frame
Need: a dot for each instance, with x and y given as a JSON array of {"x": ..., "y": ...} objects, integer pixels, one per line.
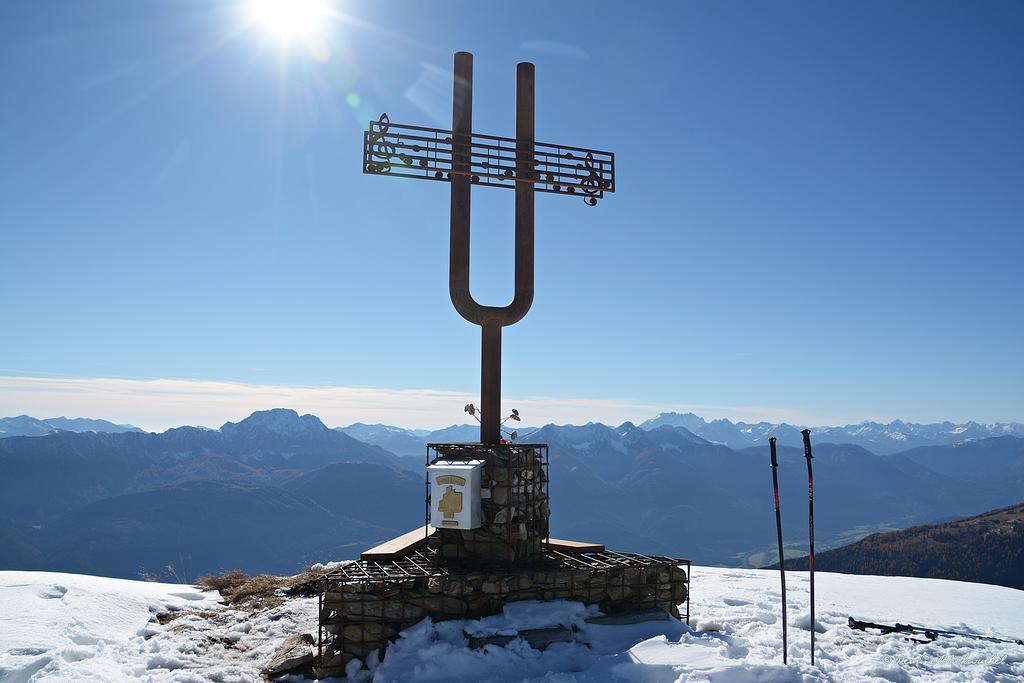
[
  {"x": 527, "y": 503},
  {"x": 375, "y": 590}
]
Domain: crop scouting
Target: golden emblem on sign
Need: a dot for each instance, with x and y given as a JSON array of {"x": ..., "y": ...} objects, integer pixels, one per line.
[{"x": 451, "y": 503}]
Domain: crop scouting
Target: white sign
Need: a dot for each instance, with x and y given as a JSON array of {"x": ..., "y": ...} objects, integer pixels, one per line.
[{"x": 455, "y": 493}]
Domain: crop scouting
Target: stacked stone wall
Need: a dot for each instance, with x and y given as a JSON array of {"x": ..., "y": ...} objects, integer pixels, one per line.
[{"x": 360, "y": 617}]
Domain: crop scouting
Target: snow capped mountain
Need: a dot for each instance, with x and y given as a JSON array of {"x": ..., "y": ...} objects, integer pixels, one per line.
[
  {"x": 406, "y": 442},
  {"x": 281, "y": 435},
  {"x": 882, "y": 439},
  {"x": 282, "y": 421},
  {"x": 25, "y": 425},
  {"x": 455, "y": 434},
  {"x": 413, "y": 442},
  {"x": 361, "y": 428},
  {"x": 85, "y": 424},
  {"x": 75, "y": 627}
]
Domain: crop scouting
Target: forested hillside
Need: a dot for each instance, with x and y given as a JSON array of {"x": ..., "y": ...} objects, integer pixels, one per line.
[{"x": 986, "y": 548}]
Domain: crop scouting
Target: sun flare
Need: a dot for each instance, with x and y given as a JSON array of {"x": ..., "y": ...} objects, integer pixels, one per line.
[{"x": 289, "y": 18}]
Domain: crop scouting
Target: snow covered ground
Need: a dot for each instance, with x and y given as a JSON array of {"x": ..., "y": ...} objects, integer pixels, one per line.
[{"x": 69, "y": 627}]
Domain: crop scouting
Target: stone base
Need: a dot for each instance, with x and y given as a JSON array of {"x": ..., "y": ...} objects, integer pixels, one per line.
[{"x": 360, "y": 612}]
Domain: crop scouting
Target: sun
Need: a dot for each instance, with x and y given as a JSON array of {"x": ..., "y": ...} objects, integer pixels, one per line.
[{"x": 288, "y": 19}]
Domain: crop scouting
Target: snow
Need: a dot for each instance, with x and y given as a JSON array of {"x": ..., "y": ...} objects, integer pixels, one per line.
[
  {"x": 737, "y": 619},
  {"x": 69, "y": 627},
  {"x": 60, "y": 627}
]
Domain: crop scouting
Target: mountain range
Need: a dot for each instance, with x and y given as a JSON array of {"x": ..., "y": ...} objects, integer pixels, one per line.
[
  {"x": 278, "y": 490},
  {"x": 410, "y": 442},
  {"x": 273, "y": 491},
  {"x": 24, "y": 425},
  {"x": 879, "y": 438},
  {"x": 882, "y": 439}
]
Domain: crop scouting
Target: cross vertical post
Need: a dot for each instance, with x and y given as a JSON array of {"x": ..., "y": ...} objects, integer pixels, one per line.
[{"x": 490, "y": 318}]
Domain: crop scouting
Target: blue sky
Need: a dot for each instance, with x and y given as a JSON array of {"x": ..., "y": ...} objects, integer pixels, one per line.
[{"x": 818, "y": 212}]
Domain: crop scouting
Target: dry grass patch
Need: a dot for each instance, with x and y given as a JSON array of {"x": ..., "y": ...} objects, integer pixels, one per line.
[
  {"x": 262, "y": 591},
  {"x": 306, "y": 583},
  {"x": 228, "y": 581}
]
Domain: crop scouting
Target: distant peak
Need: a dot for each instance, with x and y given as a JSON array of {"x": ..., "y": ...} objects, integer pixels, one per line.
[
  {"x": 671, "y": 419},
  {"x": 277, "y": 420}
]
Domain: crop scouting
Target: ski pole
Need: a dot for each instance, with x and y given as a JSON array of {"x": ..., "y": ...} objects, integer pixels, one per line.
[
  {"x": 778, "y": 529},
  {"x": 929, "y": 633},
  {"x": 810, "y": 524}
]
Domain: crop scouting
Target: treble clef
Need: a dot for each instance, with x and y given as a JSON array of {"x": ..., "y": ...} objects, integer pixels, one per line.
[
  {"x": 383, "y": 149},
  {"x": 593, "y": 183}
]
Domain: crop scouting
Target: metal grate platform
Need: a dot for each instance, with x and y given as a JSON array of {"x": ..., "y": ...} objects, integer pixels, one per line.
[{"x": 424, "y": 562}]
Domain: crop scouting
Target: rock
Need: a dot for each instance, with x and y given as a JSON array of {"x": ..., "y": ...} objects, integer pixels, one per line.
[
  {"x": 499, "y": 494},
  {"x": 367, "y": 632},
  {"x": 439, "y": 605},
  {"x": 294, "y": 655},
  {"x": 404, "y": 611},
  {"x": 333, "y": 666},
  {"x": 391, "y": 609},
  {"x": 357, "y": 609}
]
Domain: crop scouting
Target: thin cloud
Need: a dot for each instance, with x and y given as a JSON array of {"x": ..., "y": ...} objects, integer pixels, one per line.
[{"x": 158, "y": 404}]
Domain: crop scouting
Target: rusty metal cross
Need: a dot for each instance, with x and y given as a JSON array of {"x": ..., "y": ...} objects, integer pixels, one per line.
[{"x": 464, "y": 158}]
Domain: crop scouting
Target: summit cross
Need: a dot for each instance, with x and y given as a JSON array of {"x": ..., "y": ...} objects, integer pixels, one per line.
[{"x": 464, "y": 158}]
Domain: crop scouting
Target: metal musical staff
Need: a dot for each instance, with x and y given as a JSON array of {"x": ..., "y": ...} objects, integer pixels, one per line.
[{"x": 426, "y": 153}]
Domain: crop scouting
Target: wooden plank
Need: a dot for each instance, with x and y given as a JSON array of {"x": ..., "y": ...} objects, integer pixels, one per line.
[
  {"x": 655, "y": 614},
  {"x": 574, "y": 546},
  {"x": 538, "y": 638},
  {"x": 397, "y": 547}
]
